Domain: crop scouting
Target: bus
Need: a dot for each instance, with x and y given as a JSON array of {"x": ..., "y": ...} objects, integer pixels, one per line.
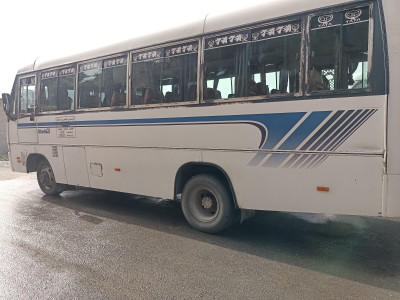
[{"x": 280, "y": 107}]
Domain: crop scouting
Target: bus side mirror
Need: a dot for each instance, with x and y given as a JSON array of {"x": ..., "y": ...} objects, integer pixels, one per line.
[
  {"x": 8, "y": 106},
  {"x": 6, "y": 103}
]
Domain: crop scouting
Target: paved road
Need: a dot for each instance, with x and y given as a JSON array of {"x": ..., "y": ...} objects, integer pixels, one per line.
[
  {"x": 6, "y": 174},
  {"x": 102, "y": 245}
]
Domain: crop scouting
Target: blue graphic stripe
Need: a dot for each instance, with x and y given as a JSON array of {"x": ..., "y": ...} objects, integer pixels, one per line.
[
  {"x": 317, "y": 161},
  {"x": 340, "y": 131},
  {"x": 318, "y": 134},
  {"x": 293, "y": 160},
  {"x": 322, "y": 130},
  {"x": 361, "y": 119},
  {"x": 257, "y": 159},
  {"x": 317, "y": 146},
  {"x": 328, "y": 136},
  {"x": 356, "y": 124},
  {"x": 278, "y": 124},
  {"x": 297, "y": 137},
  {"x": 339, "y": 117},
  {"x": 276, "y": 160},
  {"x": 304, "y": 130}
]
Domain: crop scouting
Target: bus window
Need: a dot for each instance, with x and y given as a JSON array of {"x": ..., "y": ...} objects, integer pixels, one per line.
[
  {"x": 275, "y": 56},
  {"x": 147, "y": 77},
  {"x": 114, "y": 82},
  {"x": 226, "y": 66},
  {"x": 27, "y": 95},
  {"x": 339, "y": 50},
  {"x": 48, "y": 91},
  {"x": 89, "y": 84},
  {"x": 260, "y": 62},
  {"x": 180, "y": 66},
  {"x": 66, "y": 89},
  {"x": 57, "y": 89},
  {"x": 165, "y": 75}
]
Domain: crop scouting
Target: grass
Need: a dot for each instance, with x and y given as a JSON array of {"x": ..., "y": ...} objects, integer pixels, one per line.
[{"x": 3, "y": 158}]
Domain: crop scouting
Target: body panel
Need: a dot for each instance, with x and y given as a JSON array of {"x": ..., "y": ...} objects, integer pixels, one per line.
[{"x": 149, "y": 147}]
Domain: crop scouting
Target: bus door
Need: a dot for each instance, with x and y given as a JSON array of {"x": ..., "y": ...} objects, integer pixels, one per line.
[{"x": 27, "y": 127}]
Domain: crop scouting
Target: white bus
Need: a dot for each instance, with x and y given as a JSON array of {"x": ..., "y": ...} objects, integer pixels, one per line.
[{"x": 288, "y": 106}]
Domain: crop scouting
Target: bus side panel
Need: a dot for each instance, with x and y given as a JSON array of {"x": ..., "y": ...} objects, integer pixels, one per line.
[
  {"x": 392, "y": 196},
  {"x": 18, "y": 156},
  {"x": 75, "y": 166},
  {"x": 393, "y": 199},
  {"x": 391, "y": 11},
  {"x": 12, "y": 132},
  {"x": 138, "y": 171},
  {"x": 354, "y": 183}
]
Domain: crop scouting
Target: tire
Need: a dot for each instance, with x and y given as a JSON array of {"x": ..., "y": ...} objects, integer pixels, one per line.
[
  {"x": 46, "y": 179},
  {"x": 207, "y": 205}
]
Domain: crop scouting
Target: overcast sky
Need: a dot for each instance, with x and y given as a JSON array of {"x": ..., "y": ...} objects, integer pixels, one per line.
[{"x": 41, "y": 28}]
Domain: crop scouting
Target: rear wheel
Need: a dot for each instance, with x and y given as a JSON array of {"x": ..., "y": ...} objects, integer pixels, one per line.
[
  {"x": 207, "y": 205},
  {"x": 46, "y": 179}
]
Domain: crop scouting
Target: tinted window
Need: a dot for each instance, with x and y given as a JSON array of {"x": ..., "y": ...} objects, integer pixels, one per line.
[
  {"x": 90, "y": 85},
  {"x": 102, "y": 83},
  {"x": 165, "y": 75},
  {"x": 57, "y": 90},
  {"x": 27, "y": 95},
  {"x": 339, "y": 50},
  {"x": 66, "y": 89},
  {"x": 259, "y": 62},
  {"x": 114, "y": 82},
  {"x": 275, "y": 60}
]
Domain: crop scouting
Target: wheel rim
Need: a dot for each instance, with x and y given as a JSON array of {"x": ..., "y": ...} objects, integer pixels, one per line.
[
  {"x": 46, "y": 178},
  {"x": 203, "y": 205}
]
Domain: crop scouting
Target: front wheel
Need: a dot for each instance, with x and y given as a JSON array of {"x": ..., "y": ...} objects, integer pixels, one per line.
[
  {"x": 207, "y": 205},
  {"x": 46, "y": 179}
]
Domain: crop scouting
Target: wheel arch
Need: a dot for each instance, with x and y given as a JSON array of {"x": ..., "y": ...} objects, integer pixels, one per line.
[
  {"x": 33, "y": 160},
  {"x": 190, "y": 169}
]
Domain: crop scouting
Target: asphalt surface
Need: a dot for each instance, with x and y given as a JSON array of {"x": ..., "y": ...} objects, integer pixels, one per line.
[{"x": 101, "y": 245}]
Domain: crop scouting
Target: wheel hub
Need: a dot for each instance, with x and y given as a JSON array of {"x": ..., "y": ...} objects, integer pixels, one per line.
[
  {"x": 206, "y": 202},
  {"x": 46, "y": 177}
]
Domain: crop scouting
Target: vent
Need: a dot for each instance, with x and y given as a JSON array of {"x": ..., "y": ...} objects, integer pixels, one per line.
[{"x": 54, "y": 150}]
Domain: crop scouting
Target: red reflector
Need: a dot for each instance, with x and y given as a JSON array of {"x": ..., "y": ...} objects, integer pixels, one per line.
[
  {"x": 322, "y": 189},
  {"x": 117, "y": 170}
]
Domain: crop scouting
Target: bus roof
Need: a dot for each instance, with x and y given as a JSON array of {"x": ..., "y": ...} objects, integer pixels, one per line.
[{"x": 272, "y": 9}]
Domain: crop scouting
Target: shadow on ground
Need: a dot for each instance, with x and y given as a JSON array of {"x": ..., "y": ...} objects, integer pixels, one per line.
[{"x": 362, "y": 249}]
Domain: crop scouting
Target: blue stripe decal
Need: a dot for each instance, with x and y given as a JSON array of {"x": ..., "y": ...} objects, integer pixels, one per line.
[
  {"x": 328, "y": 135},
  {"x": 299, "y": 158},
  {"x": 322, "y": 130},
  {"x": 297, "y": 137},
  {"x": 356, "y": 124},
  {"x": 304, "y": 130},
  {"x": 273, "y": 128},
  {"x": 276, "y": 160},
  {"x": 340, "y": 129},
  {"x": 317, "y": 146}
]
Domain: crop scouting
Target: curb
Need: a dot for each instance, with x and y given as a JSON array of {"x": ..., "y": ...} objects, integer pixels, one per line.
[{"x": 5, "y": 164}]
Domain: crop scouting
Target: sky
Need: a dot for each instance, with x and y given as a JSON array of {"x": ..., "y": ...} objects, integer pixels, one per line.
[{"x": 43, "y": 28}]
